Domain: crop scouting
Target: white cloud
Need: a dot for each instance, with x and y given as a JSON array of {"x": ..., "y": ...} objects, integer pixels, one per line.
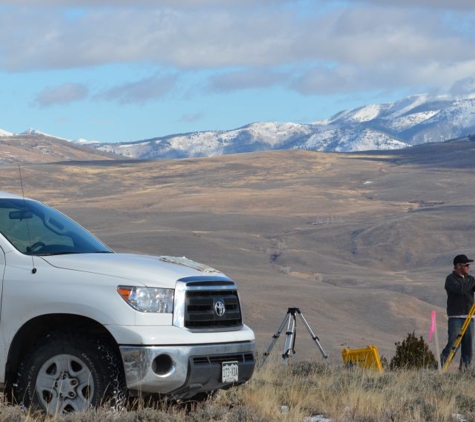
[
  {"x": 433, "y": 77},
  {"x": 135, "y": 3},
  {"x": 141, "y": 91},
  {"x": 62, "y": 94},
  {"x": 371, "y": 36},
  {"x": 430, "y": 4},
  {"x": 194, "y": 39},
  {"x": 463, "y": 86},
  {"x": 191, "y": 117},
  {"x": 225, "y": 38},
  {"x": 247, "y": 79},
  {"x": 357, "y": 45}
]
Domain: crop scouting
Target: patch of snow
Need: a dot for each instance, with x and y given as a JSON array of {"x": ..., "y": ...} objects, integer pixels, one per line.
[
  {"x": 405, "y": 122},
  {"x": 316, "y": 418},
  {"x": 32, "y": 131},
  {"x": 82, "y": 141},
  {"x": 365, "y": 114},
  {"x": 374, "y": 140},
  {"x": 5, "y": 133},
  {"x": 273, "y": 133},
  {"x": 405, "y": 105}
]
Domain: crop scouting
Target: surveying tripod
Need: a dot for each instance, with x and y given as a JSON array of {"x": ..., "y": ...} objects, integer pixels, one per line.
[
  {"x": 289, "y": 345},
  {"x": 459, "y": 338}
]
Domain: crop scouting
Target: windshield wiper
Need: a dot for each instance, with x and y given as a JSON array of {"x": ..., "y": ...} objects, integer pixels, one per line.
[{"x": 58, "y": 253}]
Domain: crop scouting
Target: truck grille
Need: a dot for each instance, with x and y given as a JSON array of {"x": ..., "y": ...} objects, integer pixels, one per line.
[
  {"x": 208, "y": 360},
  {"x": 203, "y": 309},
  {"x": 207, "y": 304}
]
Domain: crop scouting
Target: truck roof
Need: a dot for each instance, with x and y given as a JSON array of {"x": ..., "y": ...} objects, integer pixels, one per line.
[{"x": 7, "y": 195}]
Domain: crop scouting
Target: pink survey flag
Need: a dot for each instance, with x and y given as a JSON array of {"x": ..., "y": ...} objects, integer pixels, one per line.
[{"x": 432, "y": 326}]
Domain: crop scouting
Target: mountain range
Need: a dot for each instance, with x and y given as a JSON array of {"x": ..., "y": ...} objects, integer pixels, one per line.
[{"x": 411, "y": 121}]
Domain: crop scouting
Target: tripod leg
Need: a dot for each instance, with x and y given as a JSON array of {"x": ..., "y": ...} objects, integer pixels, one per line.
[
  {"x": 458, "y": 341},
  {"x": 275, "y": 337},
  {"x": 289, "y": 339},
  {"x": 314, "y": 337}
]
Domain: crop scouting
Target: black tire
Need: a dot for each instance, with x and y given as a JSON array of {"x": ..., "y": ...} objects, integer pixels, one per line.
[{"x": 66, "y": 372}]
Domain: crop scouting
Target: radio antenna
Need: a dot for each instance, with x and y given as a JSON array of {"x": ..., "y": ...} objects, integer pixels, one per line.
[{"x": 33, "y": 270}]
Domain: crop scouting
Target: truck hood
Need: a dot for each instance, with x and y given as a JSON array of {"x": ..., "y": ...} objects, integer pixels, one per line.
[{"x": 152, "y": 271}]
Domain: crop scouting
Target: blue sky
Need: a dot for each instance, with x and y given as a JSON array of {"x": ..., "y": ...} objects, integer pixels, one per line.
[{"x": 124, "y": 70}]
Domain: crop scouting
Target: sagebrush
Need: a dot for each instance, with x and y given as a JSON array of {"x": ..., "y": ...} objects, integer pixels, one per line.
[{"x": 413, "y": 353}]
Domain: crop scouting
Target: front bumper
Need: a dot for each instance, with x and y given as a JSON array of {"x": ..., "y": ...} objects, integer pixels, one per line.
[{"x": 185, "y": 370}]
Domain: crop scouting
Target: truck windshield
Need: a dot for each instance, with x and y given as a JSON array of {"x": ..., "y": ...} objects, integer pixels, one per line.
[{"x": 35, "y": 229}]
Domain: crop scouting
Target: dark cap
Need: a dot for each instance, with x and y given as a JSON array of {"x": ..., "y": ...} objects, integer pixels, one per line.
[{"x": 461, "y": 259}]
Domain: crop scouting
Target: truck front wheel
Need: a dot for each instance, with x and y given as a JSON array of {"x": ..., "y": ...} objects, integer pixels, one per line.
[{"x": 66, "y": 372}]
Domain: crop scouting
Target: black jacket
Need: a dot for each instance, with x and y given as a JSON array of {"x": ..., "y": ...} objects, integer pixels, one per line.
[{"x": 459, "y": 294}]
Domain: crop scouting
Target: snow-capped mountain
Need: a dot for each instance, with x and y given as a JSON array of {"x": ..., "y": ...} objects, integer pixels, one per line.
[
  {"x": 413, "y": 120},
  {"x": 256, "y": 137},
  {"x": 5, "y": 133},
  {"x": 82, "y": 141},
  {"x": 33, "y": 131}
]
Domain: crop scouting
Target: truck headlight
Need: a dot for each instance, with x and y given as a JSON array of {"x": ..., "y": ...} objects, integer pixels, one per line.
[{"x": 148, "y": 299}]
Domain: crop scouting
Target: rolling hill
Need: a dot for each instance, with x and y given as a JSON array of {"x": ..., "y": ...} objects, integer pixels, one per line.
[{"x": 40, "y": 148}]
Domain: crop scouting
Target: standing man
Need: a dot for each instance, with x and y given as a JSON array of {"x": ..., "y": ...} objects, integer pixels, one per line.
[{"x": 460, "y": 286}]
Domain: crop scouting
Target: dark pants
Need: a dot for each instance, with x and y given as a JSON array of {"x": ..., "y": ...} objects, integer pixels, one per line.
[{"x": 455, "y": 324}]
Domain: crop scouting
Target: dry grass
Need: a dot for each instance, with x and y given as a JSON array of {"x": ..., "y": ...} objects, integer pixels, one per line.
[
  {"x": 308, "y": 389},
  {"x": 303, "y": 390}
]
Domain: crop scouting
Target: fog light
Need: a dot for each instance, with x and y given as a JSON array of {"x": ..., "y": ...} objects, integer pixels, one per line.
[{"x": 162, "y": 365}]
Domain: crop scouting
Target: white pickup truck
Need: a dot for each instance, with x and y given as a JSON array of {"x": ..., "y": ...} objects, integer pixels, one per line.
[{"x": 82, "y": 326}]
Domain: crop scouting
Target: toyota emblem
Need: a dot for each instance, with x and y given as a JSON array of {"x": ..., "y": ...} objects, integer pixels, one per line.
[{"x": 219, "y": 308}]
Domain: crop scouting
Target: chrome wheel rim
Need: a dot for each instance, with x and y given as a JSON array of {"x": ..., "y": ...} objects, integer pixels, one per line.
[{"x": 64, "y": 384}]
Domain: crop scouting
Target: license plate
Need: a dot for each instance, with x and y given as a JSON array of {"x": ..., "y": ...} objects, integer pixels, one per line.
[{"x": 230, "y": 372}]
